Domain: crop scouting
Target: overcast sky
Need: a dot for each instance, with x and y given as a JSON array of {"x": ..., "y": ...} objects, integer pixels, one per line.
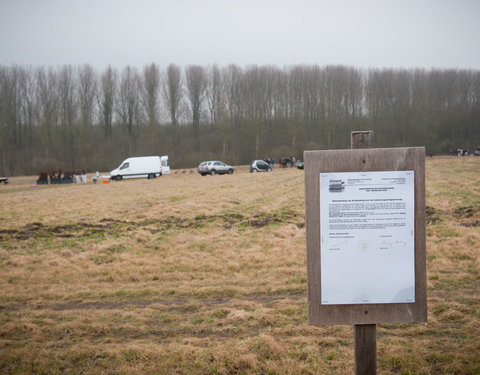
[{"x": 359, "y": 33}]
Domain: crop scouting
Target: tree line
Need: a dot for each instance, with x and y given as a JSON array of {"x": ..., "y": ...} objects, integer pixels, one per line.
[{"x": 75, "y": 117}]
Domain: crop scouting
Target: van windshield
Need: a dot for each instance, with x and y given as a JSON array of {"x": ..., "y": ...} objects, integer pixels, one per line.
[{"x": 125, "y": 165}]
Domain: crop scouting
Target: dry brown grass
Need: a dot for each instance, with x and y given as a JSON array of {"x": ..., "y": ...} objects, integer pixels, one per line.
[{"x": 206, "y": 275}]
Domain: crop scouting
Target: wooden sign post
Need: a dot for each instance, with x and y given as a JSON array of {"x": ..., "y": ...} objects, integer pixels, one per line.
[
  {"x": 365, "y": 223},
  {"x": 365, "y": 347}
]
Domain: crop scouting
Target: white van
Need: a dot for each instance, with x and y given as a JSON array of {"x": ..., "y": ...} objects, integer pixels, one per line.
[{"x": 143, "y": 166}]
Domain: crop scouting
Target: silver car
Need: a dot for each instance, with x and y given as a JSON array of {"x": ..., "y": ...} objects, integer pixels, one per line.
[{"x": 214, "y": 167}]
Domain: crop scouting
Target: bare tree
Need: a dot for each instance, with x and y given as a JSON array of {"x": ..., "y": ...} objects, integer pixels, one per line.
[
  {"x": 27, "y": 119},
  {"x": 106, "y": 98},
  {"x": 214, "y": 93},
  {"x": 296, "y": 102},
  {"x": 255, "y": 92},
  {"x": 129, "y": 106},
  {"x": 268, "y": 110},
  {"x": 278, "y": 133},
  {"x": 232, "y": 82},
  {"x": 335, "y": 87},
  {"x": 151, "y": 90},
  {"x": 17, "y": 120},
  {"x": 10, "y": 137},
  {"x": 151, "y": 103},
  {"x": 87, "y": 92},
  {"x": 47, "y": 100},
  {"x": 173, "y": 94},
  {"x": 196, "y": 86},
  {"x": 67, "y": 111},
  {"x": 216, "y": 106}
]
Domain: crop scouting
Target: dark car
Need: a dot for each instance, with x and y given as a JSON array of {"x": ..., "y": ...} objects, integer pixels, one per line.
[{"x": 260, "y": 166}]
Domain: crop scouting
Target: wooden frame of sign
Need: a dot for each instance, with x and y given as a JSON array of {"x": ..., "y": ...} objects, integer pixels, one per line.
[{"x": 364, "y": 160}]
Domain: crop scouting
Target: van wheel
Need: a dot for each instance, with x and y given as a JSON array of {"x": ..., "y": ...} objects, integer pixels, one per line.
[
  {"x": 150, "y": 176},
  {"x": 230, "y": 171},
  {"x": 118, "y": 178}
]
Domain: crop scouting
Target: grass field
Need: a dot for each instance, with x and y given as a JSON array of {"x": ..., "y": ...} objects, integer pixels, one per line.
[{"x": 206, "y": 275}]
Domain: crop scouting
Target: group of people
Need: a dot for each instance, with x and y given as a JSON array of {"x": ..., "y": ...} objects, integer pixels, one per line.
[
  {"x": 283, "y": 162},
  {"x": 61, "y": 177}
]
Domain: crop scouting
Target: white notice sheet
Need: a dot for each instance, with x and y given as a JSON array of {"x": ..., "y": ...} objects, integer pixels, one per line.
[{"x": 367, "y": 237}]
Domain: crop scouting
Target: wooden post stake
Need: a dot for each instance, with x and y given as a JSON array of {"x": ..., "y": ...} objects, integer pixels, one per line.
[
  {"x": 365, "y": 349},
  {"x": 365, "y": 334},
  {"x": 362, "y": 139}
]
